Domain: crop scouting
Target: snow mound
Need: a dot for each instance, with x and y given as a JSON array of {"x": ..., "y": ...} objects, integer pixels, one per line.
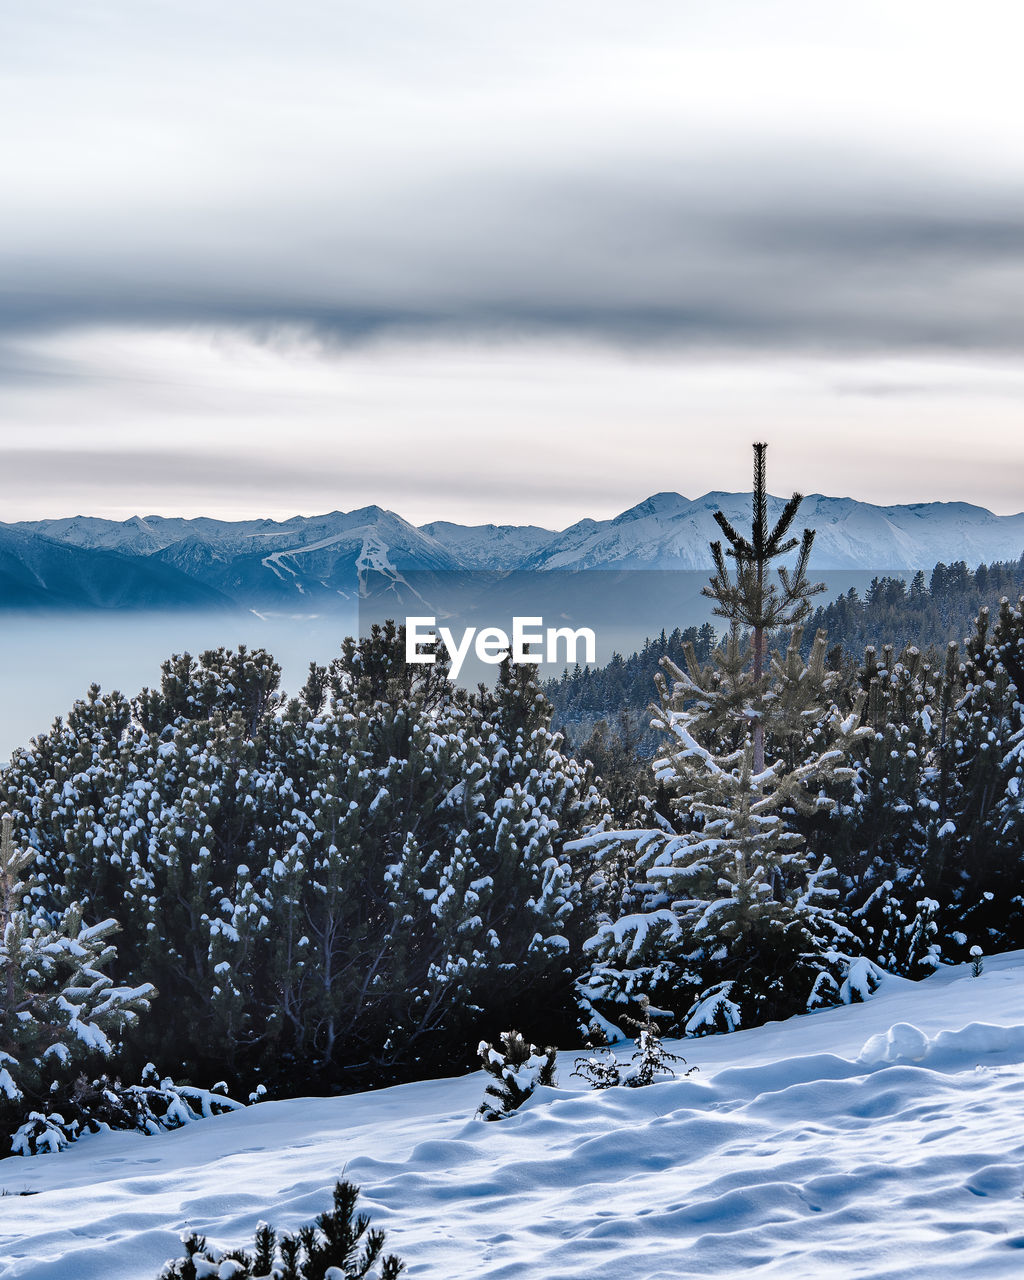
[
  {"x": 946, "y": 1051},
  {"x": 901, "y": 1043}
]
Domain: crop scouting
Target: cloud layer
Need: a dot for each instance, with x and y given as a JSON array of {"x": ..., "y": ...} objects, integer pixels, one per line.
[
  {"x": 293, "y": 184},
  {"x": 558, "y": 168}
]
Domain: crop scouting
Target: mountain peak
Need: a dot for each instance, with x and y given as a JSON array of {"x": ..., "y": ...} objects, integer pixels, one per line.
[{"x": 665, "y": 504}]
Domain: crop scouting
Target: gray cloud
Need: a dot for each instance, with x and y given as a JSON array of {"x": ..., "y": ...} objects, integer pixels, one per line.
[
  {"x": 99, "y": 467},
  {"x": 423, "y": 169},
  {"x": 627, "y": 258}
]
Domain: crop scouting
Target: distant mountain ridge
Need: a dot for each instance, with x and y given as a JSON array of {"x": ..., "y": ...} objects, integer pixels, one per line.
[
  {"x": 37, "y": 572},
  {"x": 312, "y": 561},
  {"x": 668, "y": 531}
]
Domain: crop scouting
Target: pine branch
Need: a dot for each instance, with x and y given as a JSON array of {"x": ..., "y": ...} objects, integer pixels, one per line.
[
  {"x": 774, "y": 547},
  {"x": 740, "y": 546}
]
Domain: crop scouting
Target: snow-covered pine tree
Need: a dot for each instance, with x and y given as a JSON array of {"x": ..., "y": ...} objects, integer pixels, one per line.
[
  {"x": 340, "y": 882},
  {"x": 339, "y": 1245},
  {"x": 200, "y": 821},
  {"x": 59, "y": 1011},
  {"x": 154, "y": 1105},
  {"x": 517, "y": 1068},
  {"x": 739, "y": 921},
  {"x": 65, "y": 790},
  {"x": 886, "y": 838},
  {"x": 650, "y": 1058},
  {"x": 484, "y": 904},
  {"x": 530, "y": 798},
  {"x": 930, "y": 849},
  {"x": 751, "y": 600},
  {"x": 982, "y": 881},
  {"x": 757, "y": 908}
]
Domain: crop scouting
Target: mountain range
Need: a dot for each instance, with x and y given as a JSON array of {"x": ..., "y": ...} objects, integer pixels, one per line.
[{"x": 312, "y": 562}]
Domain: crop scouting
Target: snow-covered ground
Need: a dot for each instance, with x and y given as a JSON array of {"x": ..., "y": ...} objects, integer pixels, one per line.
[{"x": 882, "y": 1140}]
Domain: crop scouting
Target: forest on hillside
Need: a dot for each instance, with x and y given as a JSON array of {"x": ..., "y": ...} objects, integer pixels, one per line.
[{"x": 926, "y": 612}]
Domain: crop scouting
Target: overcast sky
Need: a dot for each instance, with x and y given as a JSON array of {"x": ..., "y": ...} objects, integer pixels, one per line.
[{"x": 514, "y": 262}]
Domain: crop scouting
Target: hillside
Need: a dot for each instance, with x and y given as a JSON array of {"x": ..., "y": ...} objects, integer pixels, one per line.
[
  {"x": 39, "y": 572},
  {"x": 928, "y": 612},
  {"x": 874, "y": 1139}
]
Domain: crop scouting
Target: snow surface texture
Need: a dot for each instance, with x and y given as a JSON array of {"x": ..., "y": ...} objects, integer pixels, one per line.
[{"x": 883, "y": 1139}]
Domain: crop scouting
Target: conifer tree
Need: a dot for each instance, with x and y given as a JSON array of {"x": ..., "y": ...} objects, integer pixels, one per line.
[
  {"x": 346, "y": 881},
  {"x": 58, "y": 1010},
  {"x": 517, "y": 1068},
  {"x": 736, "y": 906},
  {"x": 650, "y": 1058},
  {"x": 886, "y": 840},
  {"x": 751, "y": 599},
  {"x": 339, "y": 1245},
  {"x": 983, "y": 876}
]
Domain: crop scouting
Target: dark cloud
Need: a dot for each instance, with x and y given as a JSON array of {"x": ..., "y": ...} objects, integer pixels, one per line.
[
  {"x": 666, "y": 173},
  {"x": 627, "y": 258}
]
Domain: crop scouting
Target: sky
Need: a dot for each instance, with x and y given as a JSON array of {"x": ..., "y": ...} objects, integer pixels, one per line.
[{"x": 511, "y": 262}]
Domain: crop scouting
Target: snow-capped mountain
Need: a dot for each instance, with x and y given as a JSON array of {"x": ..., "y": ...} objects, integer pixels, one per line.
[
  {"x": 316, "y": 559},
  {"x": 39, "y": 573},
  {"x": 668, "y": 531},
  {"x": 312, "y": 560},
  {"x": 263, "y": 563},
  {"x": 490, "y": 546}
]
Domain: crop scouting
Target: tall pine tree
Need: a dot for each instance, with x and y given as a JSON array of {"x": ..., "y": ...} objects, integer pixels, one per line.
[{"x": 737, "y": 921}]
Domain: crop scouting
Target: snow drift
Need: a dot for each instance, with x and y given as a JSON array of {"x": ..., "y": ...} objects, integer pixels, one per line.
[{"x": 877, "y": 1139}]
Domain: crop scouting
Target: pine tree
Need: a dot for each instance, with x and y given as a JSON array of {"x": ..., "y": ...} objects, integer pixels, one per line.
[
  {"x": 649, "y": 1061},
  {"x": 751, "y": 599},
  {"x": 517, "y": 1068},
  {"x": 60, "y": 1011},
  {"x": 887, "y": 837},
  {"x": 737, "y": 910},
  {"x": 349, "y": 886},
  {"x": 983, "y": 895},
  {"x": 334, "y": 884},
  {"x": 339, "y": 1245}
]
